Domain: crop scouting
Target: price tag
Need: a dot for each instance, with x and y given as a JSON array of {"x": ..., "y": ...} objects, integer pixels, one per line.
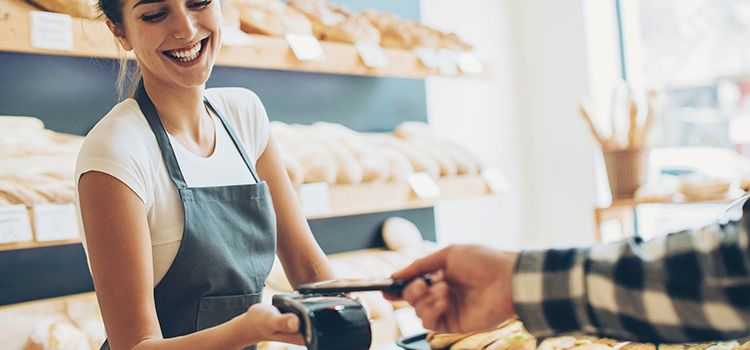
[
  {"x": 428, "y": 57},
  {"x": 51, "y": 31},
  {"x": 231, "y": 36},
  {"x": 469, "y": 63},
  {"x": 54, "y": 222},
  {"x": 14, "y": 224},
  {"x": 306, "y": 47},
  {"x": 315, "y": 198},
  {"x": 423, "y": 185},
  {"x": 372, "y": 54},
  {"x": 447, "y": 65},
  {"x": 496, "y": 181},
  {"x": 408, "y": 322}
]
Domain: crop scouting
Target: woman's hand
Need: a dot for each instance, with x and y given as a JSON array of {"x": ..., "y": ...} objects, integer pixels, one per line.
[{"x": 266, "y": 323}]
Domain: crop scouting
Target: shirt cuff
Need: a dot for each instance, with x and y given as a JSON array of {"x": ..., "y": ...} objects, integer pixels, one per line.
[{"x": 549, "y": 292}]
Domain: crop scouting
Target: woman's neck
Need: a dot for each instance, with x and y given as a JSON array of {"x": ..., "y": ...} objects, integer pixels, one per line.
[{"x": 183, "y": 114}]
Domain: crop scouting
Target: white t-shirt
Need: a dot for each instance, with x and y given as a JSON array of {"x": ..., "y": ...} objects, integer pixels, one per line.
[{"x": 123, "y": 146}]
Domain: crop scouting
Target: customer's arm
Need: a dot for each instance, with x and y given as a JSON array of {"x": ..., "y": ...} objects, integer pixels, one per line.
[{"x": 687, "y": 286}]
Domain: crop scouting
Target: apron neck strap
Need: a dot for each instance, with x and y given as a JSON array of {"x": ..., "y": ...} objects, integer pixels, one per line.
[
  {"x": 235, "y": 139},
  {"x": 167, "y": 152}
]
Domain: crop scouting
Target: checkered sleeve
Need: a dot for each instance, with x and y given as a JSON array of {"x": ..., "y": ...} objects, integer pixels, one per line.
[{"x": 687, "y": 286}]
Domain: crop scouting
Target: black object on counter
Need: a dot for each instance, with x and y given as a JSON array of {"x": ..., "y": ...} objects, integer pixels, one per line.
[
  {"x": 328, "y": 322},
  {"x": 415, "y": 342}
]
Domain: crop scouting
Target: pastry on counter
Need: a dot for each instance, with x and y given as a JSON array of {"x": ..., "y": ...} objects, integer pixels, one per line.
[
  {"x": 698, "y": 188},
  {"x": 57, "y": 334},
  {"x": 271, "y": 17},
  {"x": 75, "y": 8}
]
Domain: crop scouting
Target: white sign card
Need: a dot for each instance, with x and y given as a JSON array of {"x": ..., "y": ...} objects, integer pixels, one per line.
[
  {"x": 55, "y": 222},
  {"x": 447, "y": 64},
  {"x": 231, "y": 36},
  {"x": 51, "y": 31},
  {"x": 372, "y": 55},
  {"x": 14, "y": 224},
  {"x": 469, "y": 63},
  {"x": 423, "y": 186},
  {"x": 306, "y": 47},
  {"x": 315, "y": 198},
  {"x": 495, "y": 180},
  {"x": 428, "y": 57}
]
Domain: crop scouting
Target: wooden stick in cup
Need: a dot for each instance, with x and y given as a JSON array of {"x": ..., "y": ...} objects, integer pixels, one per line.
[
  {"x": 583, "y": 109},
  {"x": 633, "y": 128}
]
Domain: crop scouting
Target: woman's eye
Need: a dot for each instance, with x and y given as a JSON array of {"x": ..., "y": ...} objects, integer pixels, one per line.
[
  {"x": 200, "y": 4},
  {"x": 153, "y": 18}
]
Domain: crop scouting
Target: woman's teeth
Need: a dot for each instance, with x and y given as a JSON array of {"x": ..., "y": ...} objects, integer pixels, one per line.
[{"x": 186, "y": 55}]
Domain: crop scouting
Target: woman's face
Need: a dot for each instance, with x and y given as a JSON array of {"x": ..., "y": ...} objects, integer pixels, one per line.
[{"x": 175, "y": 41}]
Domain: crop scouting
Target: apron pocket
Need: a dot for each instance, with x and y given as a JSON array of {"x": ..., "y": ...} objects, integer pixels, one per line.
[{"x": 215, "y": 310}]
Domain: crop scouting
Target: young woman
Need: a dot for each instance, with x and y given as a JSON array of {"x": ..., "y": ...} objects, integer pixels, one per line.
[{"x": 174, "y": 190}]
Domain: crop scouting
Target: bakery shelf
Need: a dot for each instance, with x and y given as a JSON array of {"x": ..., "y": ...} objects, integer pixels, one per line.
[
  {"x": 347, "y": 200},
  {"x": 91, "y": 38},
  {"x": 33, "y": 244},
  {"x": 376, "y": 197}
]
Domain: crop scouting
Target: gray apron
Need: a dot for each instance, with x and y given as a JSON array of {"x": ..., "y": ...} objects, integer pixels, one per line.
[{"x": 227, "y": 249}]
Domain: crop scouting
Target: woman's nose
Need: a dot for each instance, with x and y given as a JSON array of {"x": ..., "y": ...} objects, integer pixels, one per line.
[{"x": 183, "y": 26}]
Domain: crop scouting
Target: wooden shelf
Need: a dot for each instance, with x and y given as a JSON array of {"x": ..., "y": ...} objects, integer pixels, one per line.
[
  {"x": 346, "y": 200},
  {"x": 91, "y": 38},
  {"x": 33, "y": 244}
]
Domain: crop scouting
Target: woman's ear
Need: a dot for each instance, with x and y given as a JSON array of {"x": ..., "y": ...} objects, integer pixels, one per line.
[{"x": 119, "y": 33}]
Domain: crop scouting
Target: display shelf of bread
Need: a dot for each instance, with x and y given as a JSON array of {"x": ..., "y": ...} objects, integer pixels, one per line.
[
  {"x": 370, "y": 172},
  {"x": 265, "y": 23},
  {"x": 364, "y": 172},
  {"x": 37, "y": 173}
]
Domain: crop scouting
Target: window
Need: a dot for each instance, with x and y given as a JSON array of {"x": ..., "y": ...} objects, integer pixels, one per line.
[{"x": 698, "y": 51}]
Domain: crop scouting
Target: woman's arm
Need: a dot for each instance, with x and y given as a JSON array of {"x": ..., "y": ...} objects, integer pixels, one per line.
[
  {"x": 302, "y": 258},
  {"x": 119, "y": 249}
]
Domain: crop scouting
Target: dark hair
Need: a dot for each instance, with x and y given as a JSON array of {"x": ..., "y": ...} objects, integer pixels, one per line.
[{"x": 112, "y": 9}]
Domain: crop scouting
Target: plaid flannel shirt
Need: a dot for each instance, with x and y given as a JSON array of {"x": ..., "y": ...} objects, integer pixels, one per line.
[{"x": 688, "y": 286}]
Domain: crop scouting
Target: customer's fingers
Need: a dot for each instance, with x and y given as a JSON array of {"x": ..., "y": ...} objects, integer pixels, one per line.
[
  {"x": 431, "y": 308},
  {"x": 428, "y": 264},
  {"x": 415, "y": 291}
]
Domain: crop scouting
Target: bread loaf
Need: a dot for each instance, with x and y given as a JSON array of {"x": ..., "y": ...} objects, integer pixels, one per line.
[
  {"x": 334, "y": 23},
  {"x": 56, "y": 334},
  {"x": 271, "y": 17}
]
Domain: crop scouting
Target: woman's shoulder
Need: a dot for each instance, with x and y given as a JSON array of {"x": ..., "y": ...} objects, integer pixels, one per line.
[
  {"x": 123, "y": 133},
  {"x": 239, "y": 103}
]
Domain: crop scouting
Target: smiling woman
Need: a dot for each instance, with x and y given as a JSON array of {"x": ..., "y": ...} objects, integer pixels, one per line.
[{"x": 174, "y": 191}]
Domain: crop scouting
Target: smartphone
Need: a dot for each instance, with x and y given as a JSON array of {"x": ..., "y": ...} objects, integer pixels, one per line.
[{"x": 387, "y": 285}]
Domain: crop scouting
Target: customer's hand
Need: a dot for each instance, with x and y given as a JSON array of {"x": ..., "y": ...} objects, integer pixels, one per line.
[
  {"x": 470, "y": 288},
  {"x": 268, "y": 324}
]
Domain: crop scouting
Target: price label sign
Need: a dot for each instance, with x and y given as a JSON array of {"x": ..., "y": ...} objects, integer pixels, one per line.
[
  {"x": 305, "y": 47},
  {"x": 315, "y": 198},
  {"x": 495, "y": 180},
  {"x": 447, "y": 65},
  {"x": 54, "y": 222},
  {"x": 372, "y": 54},
  {"x": 231, "y": 36},
  {"x": 428, "y": 57},
  {"x": 14, "y": 224},
  {"x": 469, "y": 63},
  {"x": 52, "y": 31},
  {"x": 423, "y": 186}
]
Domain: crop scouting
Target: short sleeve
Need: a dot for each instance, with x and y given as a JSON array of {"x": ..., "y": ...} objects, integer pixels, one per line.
[
  {"x": 116, "y": 147},
  {"x": 262, "y": 130}
]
